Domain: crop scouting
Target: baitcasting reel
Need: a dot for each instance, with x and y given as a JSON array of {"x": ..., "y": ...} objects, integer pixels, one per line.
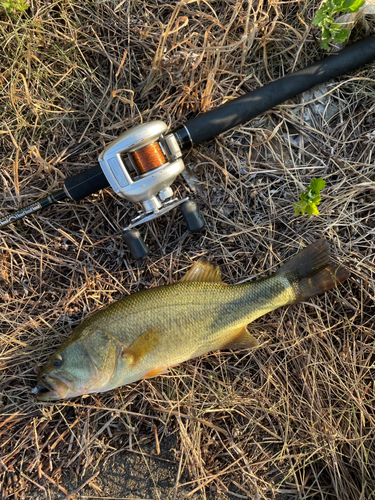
[{"x": 140, "y": 166}]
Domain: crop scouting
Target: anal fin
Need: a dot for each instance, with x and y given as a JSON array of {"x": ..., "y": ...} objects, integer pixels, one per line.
[{"x": 240, "y": 339}]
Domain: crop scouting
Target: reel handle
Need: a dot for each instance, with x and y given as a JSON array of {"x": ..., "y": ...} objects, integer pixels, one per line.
[
  {"x": 135, "y": 243},
  {"x": 192, "y": 216}
]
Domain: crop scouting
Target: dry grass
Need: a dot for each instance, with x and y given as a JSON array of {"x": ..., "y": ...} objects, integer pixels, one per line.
[{"x": 292, "y": 420}]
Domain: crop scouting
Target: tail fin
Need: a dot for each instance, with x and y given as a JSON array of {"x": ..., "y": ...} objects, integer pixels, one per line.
[{"x": 311, "y": 272}]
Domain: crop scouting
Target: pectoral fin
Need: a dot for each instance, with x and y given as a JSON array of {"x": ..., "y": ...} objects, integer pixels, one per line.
[
  {"x": 202, "y": 270},
  {"x": 240, "y": 339},
  {"x": 144, "y": 344}
]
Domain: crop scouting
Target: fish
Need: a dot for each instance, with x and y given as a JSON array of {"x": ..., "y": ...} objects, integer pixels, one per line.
[{"x": 146, "y": 333}]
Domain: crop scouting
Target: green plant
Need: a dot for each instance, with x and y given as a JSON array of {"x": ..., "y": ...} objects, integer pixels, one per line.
[
  {"x": 331, "y": 31},
  {"x": 310, "y": 198},
  {"x": 11, "y": 6}
]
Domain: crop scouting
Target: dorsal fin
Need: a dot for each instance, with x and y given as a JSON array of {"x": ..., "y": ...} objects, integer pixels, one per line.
[{"x": 202, "y": 270}]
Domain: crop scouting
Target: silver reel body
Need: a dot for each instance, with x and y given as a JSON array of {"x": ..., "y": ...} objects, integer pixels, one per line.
[{"x": 150, "y": 187}]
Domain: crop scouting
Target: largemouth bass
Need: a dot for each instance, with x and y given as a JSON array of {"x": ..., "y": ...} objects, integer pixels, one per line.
[{"x": 146, "y": 333}]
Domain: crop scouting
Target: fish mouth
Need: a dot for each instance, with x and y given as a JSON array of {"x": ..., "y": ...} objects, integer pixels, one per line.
[{"x": 49, "y": 389}]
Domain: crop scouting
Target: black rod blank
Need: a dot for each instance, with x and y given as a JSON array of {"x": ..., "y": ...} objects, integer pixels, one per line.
[
  {"x": 34, "y": 207},
  {"x": 243, "y": 109},
  {"x": 76, "y": 187}
]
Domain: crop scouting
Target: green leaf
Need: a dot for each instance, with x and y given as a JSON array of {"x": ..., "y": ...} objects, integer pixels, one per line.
[
  {"x": 12, "y": 6},
  {"x": 326, "y": 34},
  {"x": 325, "y": 20},
  {"x": 299, "y": 208},
  {"x": 352, "y": 5},
  {"x": 317, "y": 184},
  {"x": 342, "y": 35},
  {"x": 310, "y": 199},
  {"x": 324, "y": 45},
  {"x": 326, "y": 38},
  {"x": 319, "y": 18}
]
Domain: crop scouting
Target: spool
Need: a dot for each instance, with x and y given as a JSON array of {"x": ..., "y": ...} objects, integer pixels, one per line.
[{"x": 148, "y": 158}]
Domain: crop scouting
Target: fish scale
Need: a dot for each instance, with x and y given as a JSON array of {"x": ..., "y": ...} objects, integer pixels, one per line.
[{"x": 193, "y": 302}]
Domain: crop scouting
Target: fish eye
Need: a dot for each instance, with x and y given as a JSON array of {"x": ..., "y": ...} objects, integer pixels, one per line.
[{"x": 57, "y": 360}]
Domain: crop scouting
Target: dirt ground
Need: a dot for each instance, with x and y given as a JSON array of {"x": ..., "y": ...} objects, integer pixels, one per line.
[
  {"x": 133, "y": 475},
  {"x": 149, "y": 474},
  {"x": 292, "y": 419}
]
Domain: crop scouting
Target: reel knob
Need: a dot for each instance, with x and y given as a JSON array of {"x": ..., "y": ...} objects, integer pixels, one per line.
[
  {"x": 135, "y": 243},
  {"x": 192, "y": 216}
]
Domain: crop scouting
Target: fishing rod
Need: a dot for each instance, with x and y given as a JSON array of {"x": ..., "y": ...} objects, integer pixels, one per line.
[{"x": 142, "y": 163}]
